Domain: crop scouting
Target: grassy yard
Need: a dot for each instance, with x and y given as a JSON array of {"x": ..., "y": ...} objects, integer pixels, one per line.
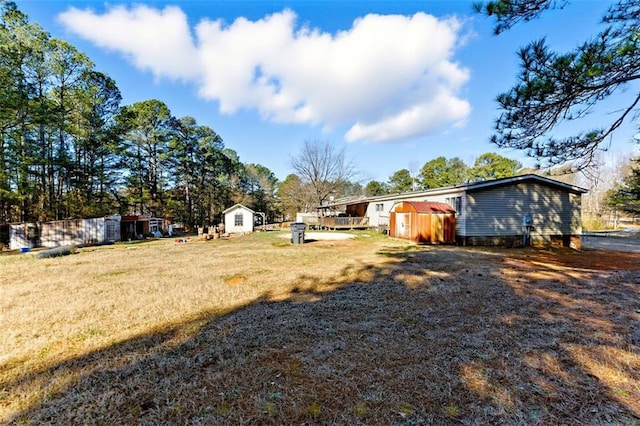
[{"x": 254, "y": 330}]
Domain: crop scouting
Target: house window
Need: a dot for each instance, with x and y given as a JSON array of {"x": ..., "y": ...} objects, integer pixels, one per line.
[
  {"x": 238, "y": 218},
  {"x": 379, "y": 207},
  {"x": 455, "y": 202}
]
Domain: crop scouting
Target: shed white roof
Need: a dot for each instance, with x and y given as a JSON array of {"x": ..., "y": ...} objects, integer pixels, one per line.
[{"x": 237, "y": 206}]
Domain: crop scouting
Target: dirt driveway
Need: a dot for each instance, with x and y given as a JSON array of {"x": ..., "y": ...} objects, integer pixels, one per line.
[{"x": 629, "y": 244}]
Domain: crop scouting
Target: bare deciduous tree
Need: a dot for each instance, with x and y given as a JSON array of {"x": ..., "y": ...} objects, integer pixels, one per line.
[{"x": 324, "y": 168}]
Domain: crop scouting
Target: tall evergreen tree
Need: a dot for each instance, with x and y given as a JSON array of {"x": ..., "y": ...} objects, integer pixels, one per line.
[
  {"x": 200, "y": 169},
  {"x": 150, "y": 126},
  {"x": 262, "y": 189},
  {"x": 98, "y": 103},
  {"x": 401, "y": 181},
  {"x": 22, "y": 52},
  {"x": 626, "y": 196},
  {"x": 67, "y": 148},
  {"x": 493, "y": 166},
  {"x": 68, "y": 68},
  {"x": 374, "y": 188}
]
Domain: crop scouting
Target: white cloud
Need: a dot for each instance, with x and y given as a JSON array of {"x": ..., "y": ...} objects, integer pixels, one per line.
[
  {"x": 154, "y": 40},
  {"x": 388, "y": 77},
  {"x": 413, "y": 120}
]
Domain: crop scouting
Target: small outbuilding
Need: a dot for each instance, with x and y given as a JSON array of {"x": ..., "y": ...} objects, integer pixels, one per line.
[
  {"x": 425, "y": 222},
  {"x": 238, "y": 219},
  {"x": 58, "y": 233}
]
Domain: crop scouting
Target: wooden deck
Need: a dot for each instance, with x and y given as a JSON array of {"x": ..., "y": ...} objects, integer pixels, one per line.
[{"x": 343, "y": 222}]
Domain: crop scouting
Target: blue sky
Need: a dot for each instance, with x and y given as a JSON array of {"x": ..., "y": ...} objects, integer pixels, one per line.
[{"x": 396, "y": 83}]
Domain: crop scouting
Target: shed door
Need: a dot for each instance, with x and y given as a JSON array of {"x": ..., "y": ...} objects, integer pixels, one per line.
[{"x": 403, "y": 225}]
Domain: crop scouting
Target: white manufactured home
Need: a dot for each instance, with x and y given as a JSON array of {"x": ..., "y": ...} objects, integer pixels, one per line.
[
  {"x": 495, "y": 212},
  {"x": 57, "y": 233}
]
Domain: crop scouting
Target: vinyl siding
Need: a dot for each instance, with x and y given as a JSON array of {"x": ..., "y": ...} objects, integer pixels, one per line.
[
  {"x": 379, "y": 217},
  {"x": 247, "y": 221},
  {"x": 499, "y": 211}
]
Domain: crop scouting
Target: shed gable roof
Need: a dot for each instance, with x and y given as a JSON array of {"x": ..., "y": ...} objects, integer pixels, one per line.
[
  {"x": 237, "y": 206},
  {"x": 429, "y": 207}
]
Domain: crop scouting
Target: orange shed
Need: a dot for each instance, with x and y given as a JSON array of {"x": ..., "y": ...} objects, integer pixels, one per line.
[{"x": 423, "y": 222}]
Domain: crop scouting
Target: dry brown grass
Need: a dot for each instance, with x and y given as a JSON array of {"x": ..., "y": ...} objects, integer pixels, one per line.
[{"x": 366, "y": 331}]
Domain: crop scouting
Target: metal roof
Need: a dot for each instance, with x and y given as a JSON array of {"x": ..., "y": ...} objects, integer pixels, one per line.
[
  {"x": 523, "y": 178},
  {"x": 429, "y": 207}
]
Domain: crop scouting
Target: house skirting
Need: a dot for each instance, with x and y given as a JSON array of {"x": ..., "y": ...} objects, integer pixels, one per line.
[{"x": 572, "y": 241}]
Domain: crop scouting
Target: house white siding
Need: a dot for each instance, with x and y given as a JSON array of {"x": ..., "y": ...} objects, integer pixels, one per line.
[{"x": 378, "y": 211}]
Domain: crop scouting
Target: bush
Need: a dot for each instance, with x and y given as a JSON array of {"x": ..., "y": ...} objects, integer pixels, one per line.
[
  {"x": 595, "y": 223},
  {"x": 55, "y": 252}
]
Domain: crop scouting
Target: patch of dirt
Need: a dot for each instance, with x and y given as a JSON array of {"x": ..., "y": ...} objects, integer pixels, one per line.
[
  {"x": 328, "y": 236},
  {"x": 235, "y": 280},
  {"x": 603, "y": 260},
  {"x": 323, "y": 236}
]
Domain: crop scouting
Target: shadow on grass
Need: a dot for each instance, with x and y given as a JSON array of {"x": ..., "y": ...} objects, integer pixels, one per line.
[{"x": 433, "y": 336}]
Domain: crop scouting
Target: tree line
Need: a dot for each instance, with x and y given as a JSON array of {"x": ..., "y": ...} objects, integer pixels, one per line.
[
  {"x": 68, "y": 148},
  {"x": 442, "y": 171},
  {"x": 323, "y": 174}
]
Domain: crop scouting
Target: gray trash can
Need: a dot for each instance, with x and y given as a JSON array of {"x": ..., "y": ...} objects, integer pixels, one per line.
[{"x": 297, "y": 232}]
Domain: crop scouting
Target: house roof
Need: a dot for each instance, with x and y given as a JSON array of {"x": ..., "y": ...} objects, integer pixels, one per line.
[
  {"x": 468, "y": 187},
  {"x": 430, "y": 207},
  {"x": 523, "y": 178},
  {"x": 237, "y": 206}
]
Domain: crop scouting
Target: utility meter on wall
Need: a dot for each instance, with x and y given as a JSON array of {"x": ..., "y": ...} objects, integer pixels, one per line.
[{"x": 527, "y": 220}]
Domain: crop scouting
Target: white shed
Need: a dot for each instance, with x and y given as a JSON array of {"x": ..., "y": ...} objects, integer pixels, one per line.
[{"x": 238, "y": 218}]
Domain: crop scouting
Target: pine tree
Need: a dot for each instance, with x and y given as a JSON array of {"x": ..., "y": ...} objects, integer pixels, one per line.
[
  {"x": 626, "y": 197},
  {"x": 556, "y": 87}
]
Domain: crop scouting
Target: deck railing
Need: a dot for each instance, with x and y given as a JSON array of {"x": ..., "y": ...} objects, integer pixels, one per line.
[{"x": 344, "y": 222}]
